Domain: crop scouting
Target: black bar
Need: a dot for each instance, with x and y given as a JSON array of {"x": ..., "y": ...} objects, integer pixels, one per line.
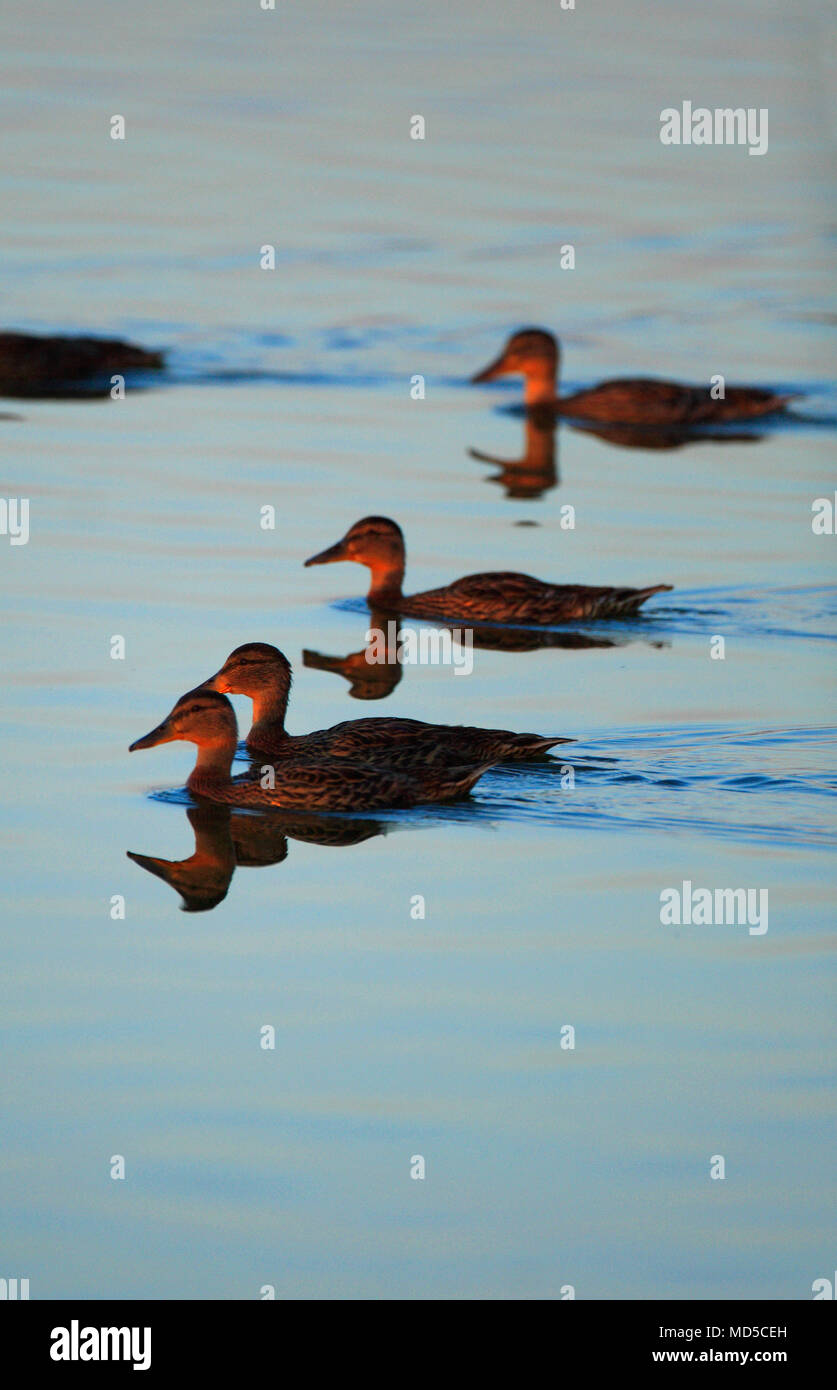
[{"x": 258, "y": 1336}]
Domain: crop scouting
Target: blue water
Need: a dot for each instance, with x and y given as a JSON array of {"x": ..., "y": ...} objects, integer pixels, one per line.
[{"x": 397, "y": 1035}]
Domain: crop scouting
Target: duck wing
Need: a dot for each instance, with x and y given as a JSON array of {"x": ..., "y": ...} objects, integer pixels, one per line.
[
  {"x": 349, "y": 786},
  {"x": 314, "y": 785},
  {"x": 350, "y": 738},
  {"x": 743, "y": 403},
  {"x": 504, "y": 596},
  {"x": 412, "y": 744},
  {"x": 408, "y": 744},
  {"x": 494, "y": 595},
  {"x": 634, "y": 401},
  {"x": 648, "y": 401},
  {"x": 354, "y": 737}
]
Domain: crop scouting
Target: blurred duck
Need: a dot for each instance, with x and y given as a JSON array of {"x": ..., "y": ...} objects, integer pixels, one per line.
[
  {"x": 32, "y": 365},
  {"x": 502, "y": 597},
  {"x": 264, "y": 674},
  {"x": 207, "y": 719},
  {"x": 535, "y": 355}
]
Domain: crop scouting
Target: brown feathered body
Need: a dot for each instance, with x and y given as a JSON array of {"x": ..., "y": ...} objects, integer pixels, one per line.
[
  {"x": 30, "y": 363},
  {"x": 504, "y": 596},
  {"x": 647, "y": 401},
  {"x": 403, "y": 742},
  {"x": 313, "y": 785}
]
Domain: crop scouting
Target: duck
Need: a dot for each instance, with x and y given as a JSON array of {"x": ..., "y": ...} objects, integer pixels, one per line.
[
  {"x": 33, "y": 364},
  {"x": 535, "y": 354},
  {"x": 501, "y": 597},
  {"x": 264, "y": 674},
  {"x": 207, "y": 719}
]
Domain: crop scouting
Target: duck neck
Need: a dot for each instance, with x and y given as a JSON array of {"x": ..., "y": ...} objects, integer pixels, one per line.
[
  {"x": 213, "y": 845},
  {"x": 540, "y": 387},
  {"x": 385, "y": 591},
  {"x": 213, "y": 765},
  {"x": 269, "y": 709},
  {"x": 540, "y": 441}
]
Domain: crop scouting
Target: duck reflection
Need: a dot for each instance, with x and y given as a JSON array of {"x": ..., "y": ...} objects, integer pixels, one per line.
[
  {"x": 201, "y": 880},
  {"x": 530, "y": 477},
  {"x": 527, "y": 478},
  {"x": 369, "y": 680},
  {"x": 657, "y": 438},
  {"x": 227, "y": 839}
]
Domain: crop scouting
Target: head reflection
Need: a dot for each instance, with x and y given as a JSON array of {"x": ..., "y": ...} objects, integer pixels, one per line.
[{"x": 227, "y": 839}]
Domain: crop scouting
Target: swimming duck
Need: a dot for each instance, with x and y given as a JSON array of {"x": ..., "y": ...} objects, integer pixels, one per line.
[
  {"x": 535, "y": 355},
  {"x": 207, "y": 719},
  {"x": 502, "y": 597},
  {"x": 264, "y": 674},
  {"x": 31, "y": 364}
]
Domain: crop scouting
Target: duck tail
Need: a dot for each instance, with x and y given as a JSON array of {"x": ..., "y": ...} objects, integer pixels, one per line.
[
  {"x": 532, "y": 745},
  {"x": 743, "y": 404},
  {"x": 770, "y": 405},
  {"x": 629, "y": 600},
  {"x": 456, "y": 782},
  {"x": 133, "y": 356}
]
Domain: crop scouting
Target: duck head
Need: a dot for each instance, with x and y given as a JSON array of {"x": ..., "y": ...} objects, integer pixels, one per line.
[
  {"x": 205, "y": 718},
  {"x": 378, "y": 543},
  {"x": 263, "y": 673},
  {"x": 253, "y": 669},
  {"x": 533, "y": 354}
]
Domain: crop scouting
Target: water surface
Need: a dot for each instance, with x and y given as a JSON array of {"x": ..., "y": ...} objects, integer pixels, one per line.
[{"x": 396, "y": 1036}]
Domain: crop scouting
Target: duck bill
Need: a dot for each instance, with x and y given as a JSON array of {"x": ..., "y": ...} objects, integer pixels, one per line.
[
  {"x": 316, "y": 661},
  {"x": 494, "y": 369},
  {"x": 162, "y": 734},
  {"x": 161, "y": 867},
  {"x": 329, "y": 557},
  {"x": 217, "y": 682}
]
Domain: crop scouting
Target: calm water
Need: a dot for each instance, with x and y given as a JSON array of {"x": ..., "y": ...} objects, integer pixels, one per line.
[{"x": 544, "y": 1166}]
